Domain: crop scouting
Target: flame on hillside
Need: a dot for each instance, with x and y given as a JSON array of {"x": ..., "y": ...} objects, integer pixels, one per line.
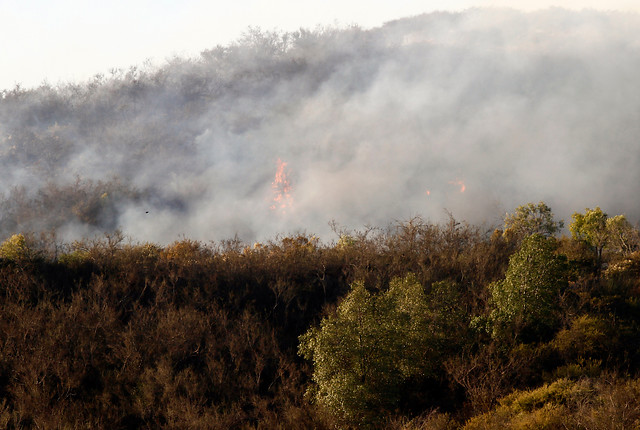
[
  {"x": 281, "y": 189},
  {"x": 459, "y": 183}
]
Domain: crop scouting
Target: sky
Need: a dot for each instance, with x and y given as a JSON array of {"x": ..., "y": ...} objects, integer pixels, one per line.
[{"x": 61, "y": 41}]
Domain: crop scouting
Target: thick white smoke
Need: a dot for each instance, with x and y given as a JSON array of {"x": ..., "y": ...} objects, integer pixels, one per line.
[{"x": 374, "y": 126}]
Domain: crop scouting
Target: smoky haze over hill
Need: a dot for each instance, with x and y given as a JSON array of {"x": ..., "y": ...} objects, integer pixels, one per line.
[{"x": 475, "y": 112}]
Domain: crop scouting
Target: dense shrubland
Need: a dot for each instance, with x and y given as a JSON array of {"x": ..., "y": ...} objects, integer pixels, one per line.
[{"x": 415, "y": 326}]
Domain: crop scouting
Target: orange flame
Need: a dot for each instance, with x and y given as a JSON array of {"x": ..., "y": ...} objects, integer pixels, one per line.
[
  {"x": 461, "y": 183},
  {"x": 428, "y": 193},
  {"x": 281, "y": 188}
]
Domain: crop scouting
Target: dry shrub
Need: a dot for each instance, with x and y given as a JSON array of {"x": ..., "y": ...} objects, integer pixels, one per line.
[
  {"x": 617, "y": 406},
  {"x": 592, "y": 404},
  {"x": 488, "y": 374},
  {"x": 431, "y": 420},
  {"x": 587, "y": 337}
]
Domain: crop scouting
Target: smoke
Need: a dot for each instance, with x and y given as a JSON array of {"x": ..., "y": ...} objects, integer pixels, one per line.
[{"x": 473, "y": 113}]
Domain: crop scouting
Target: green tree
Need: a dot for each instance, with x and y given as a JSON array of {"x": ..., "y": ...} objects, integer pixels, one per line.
[
  {"x": 373, "y": 343},
  {"x": 591, "y": 228},
  {"x": 15, "y": 248},
  {"x": 600, "y": 232},
  {"x": 531, "y": 219},
  {"x": 527, "y": 299}
]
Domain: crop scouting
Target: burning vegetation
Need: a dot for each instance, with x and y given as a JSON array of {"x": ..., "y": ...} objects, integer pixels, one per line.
[{"x": 282, "y": 199}]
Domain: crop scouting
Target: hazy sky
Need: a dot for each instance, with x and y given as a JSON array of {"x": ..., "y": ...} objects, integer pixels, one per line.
[{"x": 71, "y": 40}]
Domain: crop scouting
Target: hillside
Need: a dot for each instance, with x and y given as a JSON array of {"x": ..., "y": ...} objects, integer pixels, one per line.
[
  {"x": 474, "y": 112},
  {"x": 421, "y": 326},
  {"x": 320, "y": 229}
]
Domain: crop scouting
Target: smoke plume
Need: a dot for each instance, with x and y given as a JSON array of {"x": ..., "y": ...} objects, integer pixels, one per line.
[{"x": 473, "y": 113}]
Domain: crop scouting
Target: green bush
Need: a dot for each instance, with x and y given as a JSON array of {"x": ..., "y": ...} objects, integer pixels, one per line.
[
  {"x": 527, "y": 299},
  {"x": 363, "y": 352},
  {"x": 15, "y": 248},
  {"x": 588, "y": 336}
]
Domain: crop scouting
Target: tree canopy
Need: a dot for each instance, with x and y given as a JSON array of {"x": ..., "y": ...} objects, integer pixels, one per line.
[
  {"x": 599, "y": 231},
  {"x": 374, "y": 342},
  {"x": 527, "y": 298},
  {"x": 531, "y": 219}
]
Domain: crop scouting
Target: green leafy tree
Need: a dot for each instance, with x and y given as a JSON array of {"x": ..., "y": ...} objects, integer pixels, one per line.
[
  {"x": 600, "y": 232},
  {"x": 591, "y": 228},
  {"x": 370, "y": 346},
  {"x": 531, "y": 219},
  {"x": 15, "y": 248},
  {"x": 527, "y": 299}
]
